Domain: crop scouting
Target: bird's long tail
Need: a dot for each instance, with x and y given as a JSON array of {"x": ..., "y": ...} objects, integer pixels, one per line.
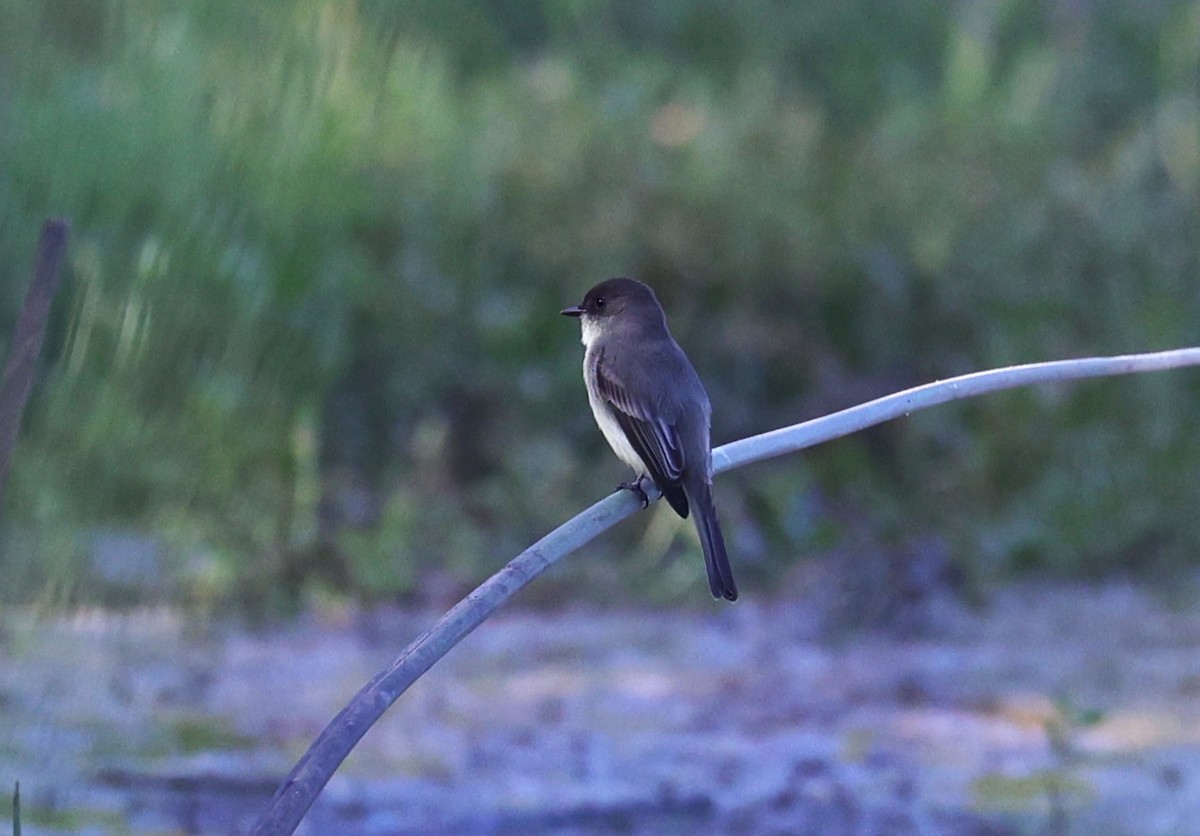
[{"x": 716, "y": 558}]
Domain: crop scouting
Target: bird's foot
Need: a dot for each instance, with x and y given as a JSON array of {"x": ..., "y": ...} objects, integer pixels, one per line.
[{"x": 638, "y": 490}]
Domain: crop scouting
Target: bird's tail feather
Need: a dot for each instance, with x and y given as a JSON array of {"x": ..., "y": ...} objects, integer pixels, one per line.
[{"x": 716, "y": 558}]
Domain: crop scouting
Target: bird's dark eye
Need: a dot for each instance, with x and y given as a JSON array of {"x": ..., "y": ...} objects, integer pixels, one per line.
[{"x": 599, "y": 301}]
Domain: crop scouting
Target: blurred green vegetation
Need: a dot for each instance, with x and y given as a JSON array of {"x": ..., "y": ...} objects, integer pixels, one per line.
[{"x": 309, "y": 338}]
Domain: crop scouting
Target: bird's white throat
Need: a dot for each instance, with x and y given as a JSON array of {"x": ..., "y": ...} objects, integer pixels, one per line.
[{"x": 590, "y": 330}]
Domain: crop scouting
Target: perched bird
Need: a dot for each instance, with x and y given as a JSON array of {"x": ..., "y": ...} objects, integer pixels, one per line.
[{"x": 652, "y": 408}]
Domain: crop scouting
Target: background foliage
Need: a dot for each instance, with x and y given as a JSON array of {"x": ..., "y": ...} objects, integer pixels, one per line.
[{"x": 309, "y": 340}]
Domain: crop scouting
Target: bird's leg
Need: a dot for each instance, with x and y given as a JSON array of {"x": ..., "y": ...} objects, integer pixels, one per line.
[{"x": 636, "y": 487}]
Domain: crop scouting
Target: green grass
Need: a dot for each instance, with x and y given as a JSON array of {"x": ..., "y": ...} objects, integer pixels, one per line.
[{"x": 309, "y": 330}]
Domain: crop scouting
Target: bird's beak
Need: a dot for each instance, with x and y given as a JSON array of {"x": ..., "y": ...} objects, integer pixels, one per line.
[{"x": 574, "y": 310}]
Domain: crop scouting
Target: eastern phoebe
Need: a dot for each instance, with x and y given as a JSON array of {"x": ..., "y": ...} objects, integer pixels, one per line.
[{"x": 652, "y": 408}]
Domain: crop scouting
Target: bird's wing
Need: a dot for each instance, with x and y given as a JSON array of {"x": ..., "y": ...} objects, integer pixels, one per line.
[{"x": 652, "y": 435}]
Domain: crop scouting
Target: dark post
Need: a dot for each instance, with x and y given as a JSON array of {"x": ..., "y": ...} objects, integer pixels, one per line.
[{"x": 27, "y": 338}]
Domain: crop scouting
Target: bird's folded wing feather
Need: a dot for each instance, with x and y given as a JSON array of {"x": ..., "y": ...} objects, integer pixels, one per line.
[{"x": 652, "y": 436}]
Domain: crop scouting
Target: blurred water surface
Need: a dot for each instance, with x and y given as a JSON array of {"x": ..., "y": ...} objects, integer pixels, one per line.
[{"x": 1064, "y": 707}]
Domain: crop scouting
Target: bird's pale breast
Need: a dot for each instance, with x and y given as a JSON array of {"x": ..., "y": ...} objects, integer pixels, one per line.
[{"x": 613, "y": 434}]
